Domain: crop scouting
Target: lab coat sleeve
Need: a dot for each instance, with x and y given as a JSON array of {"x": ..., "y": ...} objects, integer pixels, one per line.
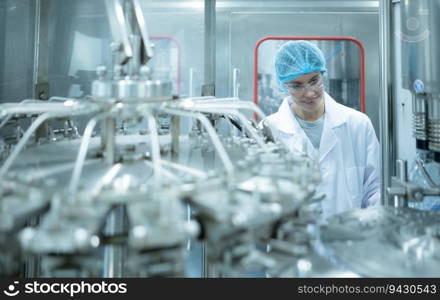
[{"x": 371, "y": 182}]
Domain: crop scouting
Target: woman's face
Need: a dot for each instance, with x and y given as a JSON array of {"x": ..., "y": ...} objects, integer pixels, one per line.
[{"x": 307, "y": 91}]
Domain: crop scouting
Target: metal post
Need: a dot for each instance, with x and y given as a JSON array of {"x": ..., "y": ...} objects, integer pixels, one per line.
[
  {"x": 40, "y": 91},
  {"x": 41, "y": 59},
  {"x": 191, "y": 83},
  {"x": 175, "y": 134},
  {"x": 402, "y": 169},
  {"x": 110, "y": 132},
  {"x": 402, "y": 174},
  {"x": 32, "y": 264},
  {"x": 41, "y": 53},
  {"x": 386, "y": 101},
  {"x": 208, "y": 88},
  {"x": 116, "y": 231},
  {"x": 235, "y": 82}
]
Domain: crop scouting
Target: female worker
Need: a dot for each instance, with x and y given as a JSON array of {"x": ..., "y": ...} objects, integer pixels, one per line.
[{"x": 340, "y": 138}]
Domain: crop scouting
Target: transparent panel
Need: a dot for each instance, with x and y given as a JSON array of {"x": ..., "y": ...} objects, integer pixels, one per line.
[
  {"x": 16, "y": 49},
  {"x": 80, "y": 40}
]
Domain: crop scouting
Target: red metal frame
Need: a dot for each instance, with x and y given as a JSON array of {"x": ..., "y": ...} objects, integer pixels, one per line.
[
  {"x": 328, "y": 38},
  {"x": 172, "y": 39}
]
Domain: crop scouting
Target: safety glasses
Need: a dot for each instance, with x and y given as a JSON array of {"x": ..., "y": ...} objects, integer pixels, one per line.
[{"x": 315, "y": 84}]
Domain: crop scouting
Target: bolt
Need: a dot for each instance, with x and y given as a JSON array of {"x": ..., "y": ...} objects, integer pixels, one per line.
[
  {"x": 115, "y": 46},
  {"x": 43, "y": 96},
  {"x": 418, "y": 196},
  {"x": 117, "y": 71},
  {"x": 101, "y": 71},
  {"x": 145, "y": 72}
]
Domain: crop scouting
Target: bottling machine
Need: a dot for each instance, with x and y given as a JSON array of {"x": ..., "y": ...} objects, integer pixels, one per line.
[{"x": 130, "y": 178}]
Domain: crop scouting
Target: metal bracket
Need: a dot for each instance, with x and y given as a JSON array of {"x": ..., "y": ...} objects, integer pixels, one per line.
[
  {"x": 126, "y": 19},
  {"x": 42, "y": 91},
  {"x": 208, "y": 90},
  {"x": 410, "y": 192}
]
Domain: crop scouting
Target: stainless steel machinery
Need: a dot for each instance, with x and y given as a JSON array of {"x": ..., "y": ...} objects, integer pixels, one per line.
[
  {"x": 110, "y": 184},
  {"x": 417, "y": 39},
  {"x": 111, "y": 201}
]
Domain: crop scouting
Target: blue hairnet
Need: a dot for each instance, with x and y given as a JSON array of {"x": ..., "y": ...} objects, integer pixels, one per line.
[{"x": 296, "y": 58}]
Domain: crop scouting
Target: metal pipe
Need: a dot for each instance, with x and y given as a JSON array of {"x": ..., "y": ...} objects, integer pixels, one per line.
[
  {"x": 402, "y": 173},
  {"x": 186, "y": 169},
  {"x": 36, "y": 108},
  {"x": 9, "y": 115},
  {"x": 79, "y": 163},
  {"x": 110, "y": 131},
  {"x": 32, "y": 101},
  {"x": 27, "y": 135},
  {"x": 175, "y": 137},
  {"x": 143, "y": 29},
  {"x": 239, "y": 115},
  {"x": 424, "y": 172},
  {"x": 155, "y": 149},
  {"x": 219, "y": 106},
  {"x": 32, "y": 264},
  {"x": 57, "y": 99},
  {"x": 120, "y": 30},
  {"x": 191, "y": 83},
  {"x": 402, "y": 169},
  {"x": 165, "y": 172},
  {"x": 106, "y": 179},
  {"x": 234, "y": 103},
  {"x": 115, "y": 252},
  {"x": 386, "y": 107},
  {"x": 52, "y": 171},
  {"x": 229, "y": 167},
  {"x": 231, "y": 103},
  {"x": 164, "y": 204},
  {"x": 235, "y": 82},
  {"x": 114, "y": 257}
]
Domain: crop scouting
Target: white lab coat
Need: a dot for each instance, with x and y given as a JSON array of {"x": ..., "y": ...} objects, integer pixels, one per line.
[{"x": 348, "y": 155}]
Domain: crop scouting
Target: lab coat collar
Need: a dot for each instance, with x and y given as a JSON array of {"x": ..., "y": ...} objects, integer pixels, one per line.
[
  {"x": 285, "y": 120},
  {"x": 333, "y": 113},
  {"x": 287, "y": 123},
  {"x": 334, "y": 117}
]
